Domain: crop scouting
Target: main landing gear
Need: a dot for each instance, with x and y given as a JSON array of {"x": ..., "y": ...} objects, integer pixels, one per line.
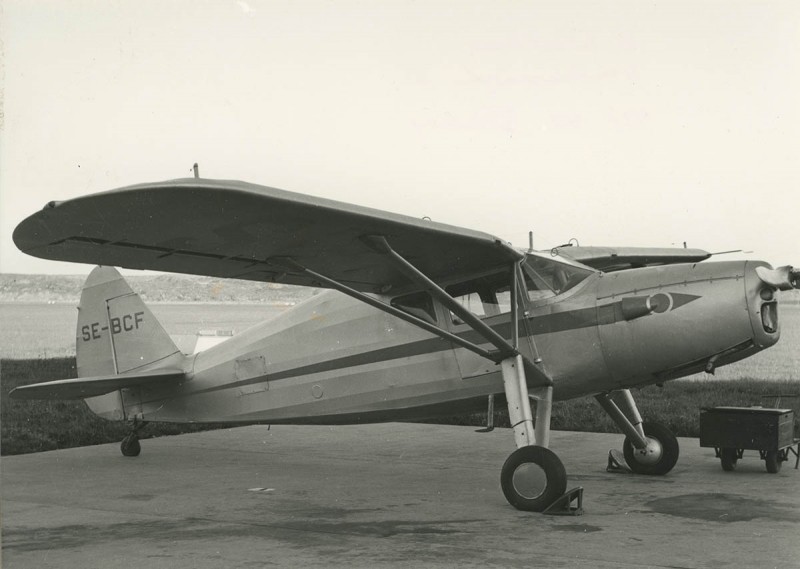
[
  {"x": 130, "y": 444},
  {"x": 533, "y": 477},
  {"x": 649, "y": 448}
]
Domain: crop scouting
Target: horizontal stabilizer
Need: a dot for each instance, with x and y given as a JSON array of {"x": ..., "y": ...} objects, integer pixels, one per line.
[{"x": 84, "y": 387}]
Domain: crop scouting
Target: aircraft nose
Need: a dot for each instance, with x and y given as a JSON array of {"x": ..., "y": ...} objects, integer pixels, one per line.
[{"x": 761, "y": 284}]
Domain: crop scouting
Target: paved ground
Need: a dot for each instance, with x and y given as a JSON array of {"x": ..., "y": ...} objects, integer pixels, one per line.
[{"x": 382, "y": 496}]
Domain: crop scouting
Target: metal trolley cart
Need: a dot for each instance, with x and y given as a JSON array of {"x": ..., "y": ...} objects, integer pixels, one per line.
[{"x": 733, "y": 430}]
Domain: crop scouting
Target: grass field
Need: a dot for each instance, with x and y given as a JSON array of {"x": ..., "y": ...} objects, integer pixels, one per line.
[{"x": 33, "y": 426}]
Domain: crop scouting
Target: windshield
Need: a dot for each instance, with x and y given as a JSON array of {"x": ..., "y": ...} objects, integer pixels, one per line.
[
  {"x": 546, "y": 277},
  {"x": 490, "y": 295}
]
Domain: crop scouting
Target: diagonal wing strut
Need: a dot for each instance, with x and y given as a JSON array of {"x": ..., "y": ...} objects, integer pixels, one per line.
[
  {"x": 381, "y": 245},
  {"x": 504, "y": 349},
  {"x": 294, "y": 266}
]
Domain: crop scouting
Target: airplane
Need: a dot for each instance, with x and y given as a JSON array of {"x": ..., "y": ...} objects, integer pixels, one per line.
[{"x": 421, "y": 319}]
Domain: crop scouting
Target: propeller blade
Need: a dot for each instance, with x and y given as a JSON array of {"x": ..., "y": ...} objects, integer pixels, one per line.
[{"x": 782, "y": 278}]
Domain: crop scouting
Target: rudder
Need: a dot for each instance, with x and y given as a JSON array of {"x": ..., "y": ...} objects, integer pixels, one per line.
[{"x": 117, "y": 334}]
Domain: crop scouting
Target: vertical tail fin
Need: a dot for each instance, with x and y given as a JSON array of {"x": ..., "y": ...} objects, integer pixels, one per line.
[{"x": 116, "y": 334}]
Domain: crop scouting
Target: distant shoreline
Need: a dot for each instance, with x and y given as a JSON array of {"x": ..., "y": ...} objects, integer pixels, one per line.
[
  {"x": 274, "y": 303},
  {"x": 154, "y": 289}
]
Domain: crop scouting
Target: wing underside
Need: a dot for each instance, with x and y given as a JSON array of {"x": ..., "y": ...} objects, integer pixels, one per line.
[{"x": 238, "y": 230}]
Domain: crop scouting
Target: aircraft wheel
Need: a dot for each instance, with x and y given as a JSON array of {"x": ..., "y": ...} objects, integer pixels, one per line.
[
  {"x": 532, "y": 478},
  {"x": 661, "y": 453},
  {"x": 130, "y": 446},
  {"x": 773, "y": 461},
  {"x": 728, "y": 457}
]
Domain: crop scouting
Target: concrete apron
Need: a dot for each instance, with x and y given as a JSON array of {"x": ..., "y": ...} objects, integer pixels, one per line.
[{"x": 382, "y": 496}]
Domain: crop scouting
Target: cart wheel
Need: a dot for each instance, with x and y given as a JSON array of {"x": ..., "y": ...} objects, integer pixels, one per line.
[
  {"x": 728, "y": 457},
  {"x": 773, "y": 461}
]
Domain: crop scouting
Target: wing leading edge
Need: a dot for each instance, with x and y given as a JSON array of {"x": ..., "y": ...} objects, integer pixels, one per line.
[
  {"x": 609, "y": 259},
  {"x": 238, "y": 230}
]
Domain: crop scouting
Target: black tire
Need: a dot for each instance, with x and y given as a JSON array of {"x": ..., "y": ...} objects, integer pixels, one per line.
[
  {"x": 532, "y": 478},
  {"x": 773, "y": 461},
  {"x": 669, "y": 451},
  {"x": 728, "y": 457},
  {"x": 130, "y": 446}
]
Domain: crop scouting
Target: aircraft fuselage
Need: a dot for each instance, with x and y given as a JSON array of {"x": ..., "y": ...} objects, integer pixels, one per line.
[{"x": 333, "y": 359}]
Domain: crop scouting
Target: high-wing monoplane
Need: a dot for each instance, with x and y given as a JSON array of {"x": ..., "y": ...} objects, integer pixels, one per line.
[{"x": 423, "y": 319}]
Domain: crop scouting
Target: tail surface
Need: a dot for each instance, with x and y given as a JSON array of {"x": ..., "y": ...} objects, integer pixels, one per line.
[
  {"x": 117, "y": 334},
  {"x": 121, "y": 350}
]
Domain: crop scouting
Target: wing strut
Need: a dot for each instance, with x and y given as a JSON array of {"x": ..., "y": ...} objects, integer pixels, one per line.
[
  {"x": 506, "y": 350},
  {"x": 375, "y": 303}
]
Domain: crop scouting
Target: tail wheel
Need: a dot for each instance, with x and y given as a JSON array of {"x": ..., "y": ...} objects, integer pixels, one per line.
[
  {"x": 532, "y": 478},
  {"x": 130, "y": 446},
  {"x": 728, "y": 457},
  {"x": 661, "y": 453}
]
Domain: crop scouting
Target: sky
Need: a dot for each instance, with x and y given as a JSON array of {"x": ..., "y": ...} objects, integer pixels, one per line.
[{"x": 641, "y": 123}]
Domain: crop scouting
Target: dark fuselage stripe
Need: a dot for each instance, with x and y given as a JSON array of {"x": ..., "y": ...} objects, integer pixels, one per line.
[
  {"x": 421, "y": 347},
  {"x": 538, "y": 325}
]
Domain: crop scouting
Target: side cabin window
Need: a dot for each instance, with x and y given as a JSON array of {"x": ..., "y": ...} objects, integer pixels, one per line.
[
  {"x": 419, "y": 304},
  {"x": 484, "y": 296}
]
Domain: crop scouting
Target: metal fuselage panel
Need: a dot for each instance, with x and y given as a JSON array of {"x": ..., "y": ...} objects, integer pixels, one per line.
[
  {"x": 330, "y": 356},
  {"x": 333, "y": 359},
  {"x": 560, "y": 334},
  {"x": 700, "y": 311}
]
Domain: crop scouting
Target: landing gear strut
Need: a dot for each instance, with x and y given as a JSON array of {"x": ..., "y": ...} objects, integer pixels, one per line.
[
  {"x": 649, "y": 448},
  {"x": 533, "y": 477},
  {"x": 130, "y": 444}
]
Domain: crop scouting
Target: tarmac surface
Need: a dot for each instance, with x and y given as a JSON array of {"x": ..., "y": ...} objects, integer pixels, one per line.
[{"x": 383, "y": 496}]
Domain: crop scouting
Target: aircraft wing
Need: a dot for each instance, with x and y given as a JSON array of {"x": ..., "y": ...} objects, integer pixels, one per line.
[
  {"x": 84, "y": 387},
  {"x": 609, "y": 259},
  {"x": 238, "y": 230}
]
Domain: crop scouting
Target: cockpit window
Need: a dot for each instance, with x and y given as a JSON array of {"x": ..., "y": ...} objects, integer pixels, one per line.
[
  {"x": 548, "y": 277},
  {"x": 490, "y": 295}
]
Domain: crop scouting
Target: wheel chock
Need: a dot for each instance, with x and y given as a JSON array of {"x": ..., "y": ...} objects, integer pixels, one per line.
[
  {"x": 616, "y": 463},
  {"x": 563, "y": 505}
]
